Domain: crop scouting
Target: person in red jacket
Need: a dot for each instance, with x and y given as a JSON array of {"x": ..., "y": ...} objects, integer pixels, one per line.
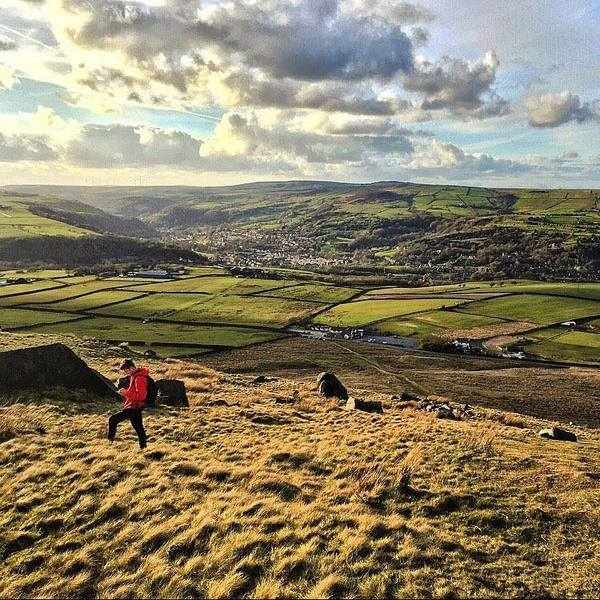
[{"x": 134, "y": 400}]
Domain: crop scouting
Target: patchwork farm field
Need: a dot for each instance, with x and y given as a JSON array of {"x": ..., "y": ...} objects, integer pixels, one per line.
[{"x": 211, "y": 309}]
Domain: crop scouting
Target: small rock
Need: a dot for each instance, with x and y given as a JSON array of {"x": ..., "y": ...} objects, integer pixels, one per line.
[
  {"x": 558, "y": 434},
  {"x": 260, "y": 379},
  {"x": 149, "y": 353},
  {"x": 172, "y": 392},
  {"x": 372, "y": 406},
  {"x": 410, "y": 396}
]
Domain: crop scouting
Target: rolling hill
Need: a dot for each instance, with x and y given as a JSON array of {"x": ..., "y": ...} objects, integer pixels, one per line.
[
  {"x": 420, "y": 233},
  {"x": 48, "y": 230}
]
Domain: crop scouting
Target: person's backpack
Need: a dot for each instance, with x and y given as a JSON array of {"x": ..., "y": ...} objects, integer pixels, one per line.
[{"x": 152, "y": 393}]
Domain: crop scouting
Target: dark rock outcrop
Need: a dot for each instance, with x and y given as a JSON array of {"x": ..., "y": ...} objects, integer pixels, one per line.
[
  {"x": 331, "y": 387},
  {"x": 49, "y": 366},
  {"x": 556, "y": 433},
  {"x": 371, "y": 406}
]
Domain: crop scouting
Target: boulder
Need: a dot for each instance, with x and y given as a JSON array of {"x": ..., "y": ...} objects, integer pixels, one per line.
[
  {"x": 371, "y": 406},
  {"x": 556, "y": 433},
  {"x": 331, "y": 387},
  {"x": 410, "y": 396},
  {"x": 49, "y": 366},
  {"x": 171, "y": 392}
]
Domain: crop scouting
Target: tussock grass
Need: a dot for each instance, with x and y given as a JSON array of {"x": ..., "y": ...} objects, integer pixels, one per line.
[{"x": 255, "y": 497}]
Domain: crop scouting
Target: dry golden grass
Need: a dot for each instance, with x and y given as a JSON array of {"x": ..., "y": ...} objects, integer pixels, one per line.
[{"x": 269, "y": 491}]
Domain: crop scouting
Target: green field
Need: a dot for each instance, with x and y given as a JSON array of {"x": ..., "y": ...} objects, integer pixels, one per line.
[
  {"x": 162, "y": 305},
  {"x": 316, "y": 293},
  {"x": 407, "y": 328},
  {"x": 59, "y": 294},
  {"x": 17, "y": 317},
  {"x": 436, "y": 289},
  {"x": 578, "y": 290},
  {"x": 247, "y": 310},
  {"x": 535, "y": 309},
  {"x": 553, "y": 350},
  {"x": 24, "y": 288},
  {"x": 208, "y": 285},
  {"x": 456, "y": 320},
  {"x": 93, "y": 301},
  {"x": 579, "y": 338},
  {"x": 364, "y": 312},
  {"x": 160, "y": 333}
]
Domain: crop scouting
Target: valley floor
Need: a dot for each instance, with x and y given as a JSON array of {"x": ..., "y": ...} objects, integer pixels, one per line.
[{"x": 264, "y": 490}]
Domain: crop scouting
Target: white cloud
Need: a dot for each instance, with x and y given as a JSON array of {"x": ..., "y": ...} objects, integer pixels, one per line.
[{"x": 552, "y": 110}]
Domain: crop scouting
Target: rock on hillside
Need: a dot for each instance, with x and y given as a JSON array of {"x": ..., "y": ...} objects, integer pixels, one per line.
[{"x": 48, "y": 366}]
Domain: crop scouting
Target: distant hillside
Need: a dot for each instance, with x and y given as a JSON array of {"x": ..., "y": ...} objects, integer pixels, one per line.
[
  {"x": 420, "y": 232},
  {"x": 48, "y": 231}
]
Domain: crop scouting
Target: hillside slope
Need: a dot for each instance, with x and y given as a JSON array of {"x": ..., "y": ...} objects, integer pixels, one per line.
[
  {"x": 419, "y": 232},
  {"x": 49, "y": 231},
  {"x": 268, "y": 490}
]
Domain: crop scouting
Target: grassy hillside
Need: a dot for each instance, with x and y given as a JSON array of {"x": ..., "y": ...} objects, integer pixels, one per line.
[
  {"x": 418, "y": 232},
  {"x": 269, "y": 491},
  {"x": 43, "y": 230}
]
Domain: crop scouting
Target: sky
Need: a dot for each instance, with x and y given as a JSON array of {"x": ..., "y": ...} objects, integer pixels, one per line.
[{"x": 205, "y": 92}]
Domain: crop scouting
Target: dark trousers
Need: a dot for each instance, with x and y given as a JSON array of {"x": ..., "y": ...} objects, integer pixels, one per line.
[{"x": 135, "y": 418}]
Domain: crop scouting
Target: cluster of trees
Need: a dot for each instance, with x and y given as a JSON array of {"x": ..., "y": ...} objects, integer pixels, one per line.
[
  {"x": 87, "y": 251},
  {"x": 96, "y": 220},
  {"x": 486, "y": 250}
]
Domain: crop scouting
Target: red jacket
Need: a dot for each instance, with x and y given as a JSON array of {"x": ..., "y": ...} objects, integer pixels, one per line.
[{"x": 135, "y": 395}]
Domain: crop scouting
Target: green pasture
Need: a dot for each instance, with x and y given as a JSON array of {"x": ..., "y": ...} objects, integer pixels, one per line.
[
  {"x": 207, "y": 285},
  {"x": 580, "y": 290},
  {"x": 204, "y": 271},
  {"x": 247, "y": 310},
  {"x": 406, "y": 328},
  {"x": 364, "y": 312},
  {"x": 11, "y": 318},
  {"x": 471, "y": 286},
  {"x": 94, "y": 300},
  {"x": 244, "y": 310},
  {"x": 159, "y": 333},
  {"x": 535, "y": 309},
  {"x": 553, "y": 350},
  {"x": 38, "y": 273},
  {"x": 455, "y": 320},
  {"x": 153, "y": 305},
  {"x": 253, "y": 286},
  {"x": 26, "y": 288},
  {"x": 580, "y": 338},
  {"x": 58, "y": 294},
  {"x": 316, "y": 293}
]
